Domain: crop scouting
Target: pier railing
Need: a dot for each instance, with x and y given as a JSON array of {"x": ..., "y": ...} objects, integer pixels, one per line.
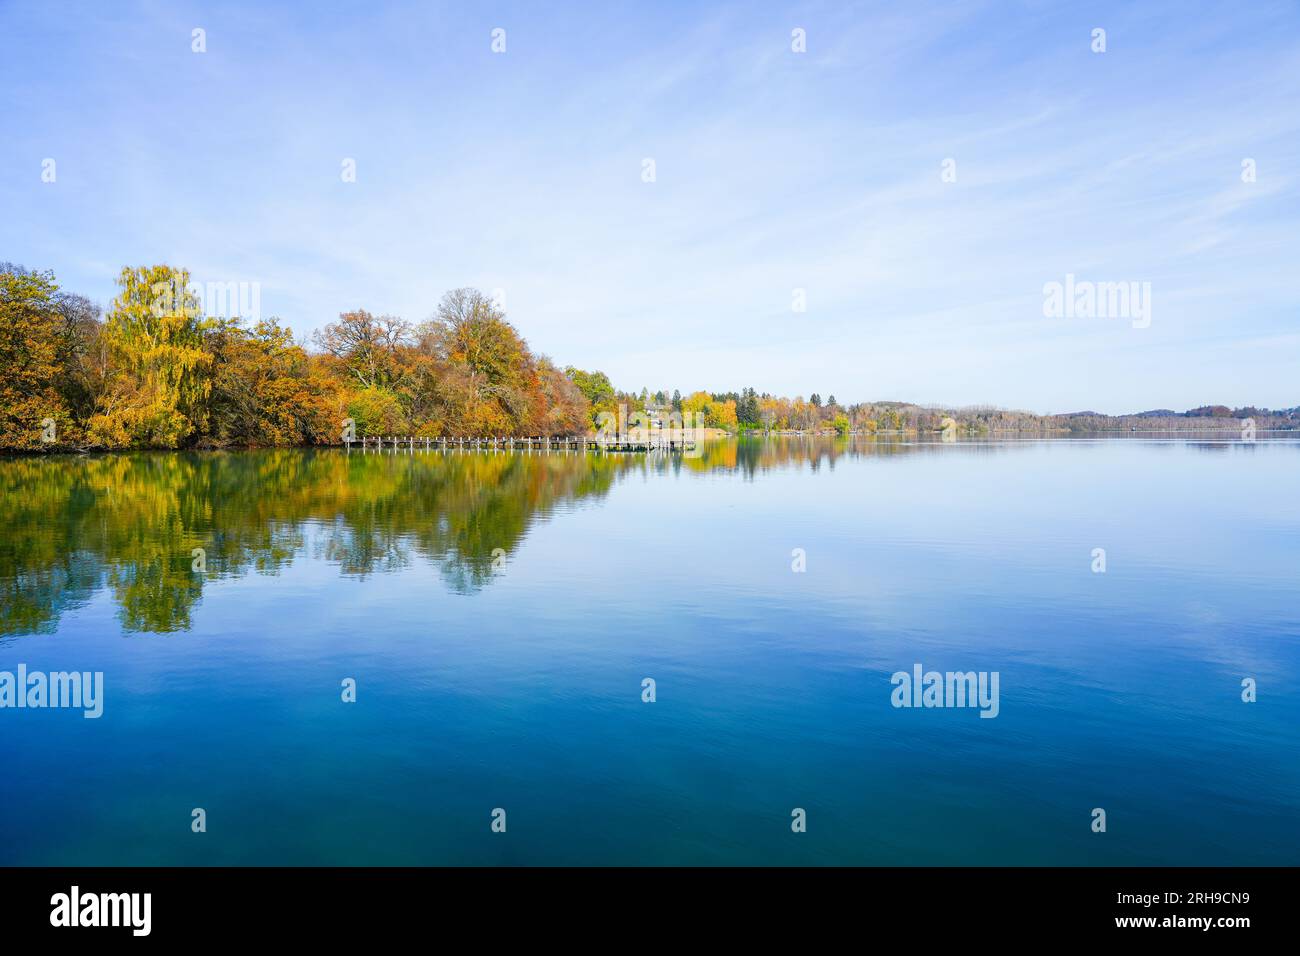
[{"x": 540, "y": 443}]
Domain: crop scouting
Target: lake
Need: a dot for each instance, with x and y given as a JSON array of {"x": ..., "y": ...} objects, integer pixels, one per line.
[{"x": 500, "y": 613}]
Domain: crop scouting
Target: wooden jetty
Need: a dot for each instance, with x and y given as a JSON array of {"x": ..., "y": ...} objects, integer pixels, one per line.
[{"x": 543, "y": 443}]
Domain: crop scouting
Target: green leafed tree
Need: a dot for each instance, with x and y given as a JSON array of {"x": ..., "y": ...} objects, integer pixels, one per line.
[{"x": 597, "y": 388}]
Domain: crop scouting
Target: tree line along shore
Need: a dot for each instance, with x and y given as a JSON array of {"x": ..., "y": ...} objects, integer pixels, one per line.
[{"x": 155, "y": 372}]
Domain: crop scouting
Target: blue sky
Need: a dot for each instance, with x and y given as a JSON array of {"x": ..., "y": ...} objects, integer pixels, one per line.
[{"x": 774, "y": 171}]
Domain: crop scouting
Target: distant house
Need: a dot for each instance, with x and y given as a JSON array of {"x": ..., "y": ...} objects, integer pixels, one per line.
[{"x": 655, "y": 414}]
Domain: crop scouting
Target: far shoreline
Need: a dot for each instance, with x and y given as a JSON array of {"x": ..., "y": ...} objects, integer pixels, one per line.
[{"x": 1188, "y": 432}]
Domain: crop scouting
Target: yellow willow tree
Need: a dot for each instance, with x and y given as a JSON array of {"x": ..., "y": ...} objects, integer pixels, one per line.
[{"x": 161, "y": 374}]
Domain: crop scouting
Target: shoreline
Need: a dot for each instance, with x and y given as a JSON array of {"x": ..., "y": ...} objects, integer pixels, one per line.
[{"x": 675, "y": 435}]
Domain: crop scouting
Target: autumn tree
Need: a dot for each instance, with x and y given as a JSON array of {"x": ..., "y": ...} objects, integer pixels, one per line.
[
  {"x": 565, "y": 408},
  {"x": 155, "y": 394},
  {"x": 368, "y": 347},
  {"x": 267, "y": 391},
  {"x": 491, "y": 378},
  {"x": 33, "y": 411}
]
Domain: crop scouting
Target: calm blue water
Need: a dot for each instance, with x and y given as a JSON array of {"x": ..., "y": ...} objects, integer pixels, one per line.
[{"x": 519, "y": 686}]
